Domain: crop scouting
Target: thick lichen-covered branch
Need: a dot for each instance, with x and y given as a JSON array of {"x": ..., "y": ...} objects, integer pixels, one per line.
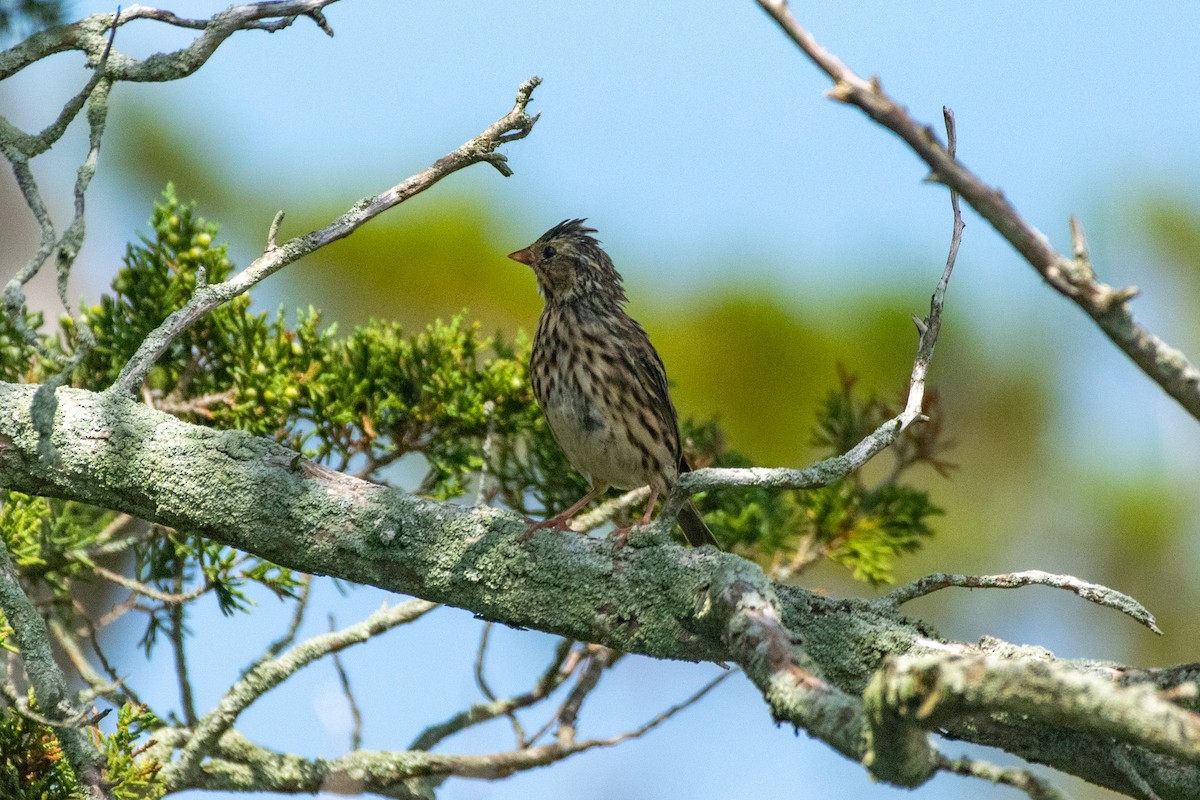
[
  {"x": 927, "y": 692},
  {"x": 650, "y": 598},
  {"x": 747, "y": 607}
]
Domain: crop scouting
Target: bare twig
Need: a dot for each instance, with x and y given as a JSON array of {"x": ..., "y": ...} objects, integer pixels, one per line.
[
  {"x": 89, "y": 629},
  {"x": 344, "y": 680},
  {"x": 1092, "y": 592},
  {"x": 662, "y": 717},
  {"x": 599, "y": 658},
  {"x": 814, "y": 476},
  {"x": 89, "y": 36},
  {"x": 831, "y": 470},
  {"x": 806, "y": 553},
  {"x": 269, "y": 673},
  {"x": 393, "y": 774},
  {"x": 29, "y": 146},
  {"x": 177, "y": 634},
  {"x": 121, "y": 609},
  {"x": 19, "y": 148},
  {"x": 564, "y": 663},
  {"x": 276, "y": 647},
  {"x": 514, "y": 125},
  {"x": 930, "y": 327},
  {"x": 94, "y": 36},
  {"x": 196, "y": 405},
  {"x": 80, "y": 719},
  {"x": 113, "y": 690},
  {"x": 146, "y": 590},
  {"x": 501, "y": 764},
  {"x": 480, "y": 657},
  {"x": 107, "y": 542},
  {"x": 486, "y": 690},
  {"x": 574, "y": 657},
  {"x": 1074, "y": 278},
  {"x": 1022, "y": 779}
]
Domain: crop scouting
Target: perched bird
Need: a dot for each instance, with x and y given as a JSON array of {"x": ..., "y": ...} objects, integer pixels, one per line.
[{"x": 599, "y": 381}]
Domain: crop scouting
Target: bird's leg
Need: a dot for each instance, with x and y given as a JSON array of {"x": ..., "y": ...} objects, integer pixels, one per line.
[
  {"x": 561, "y": 521},
  {"x": 621, "y": 535},
  {"x": 650, "y": 506}
]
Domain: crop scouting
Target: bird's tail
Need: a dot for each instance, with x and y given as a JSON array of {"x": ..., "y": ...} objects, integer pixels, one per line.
[{"x": 694, "y": 529}]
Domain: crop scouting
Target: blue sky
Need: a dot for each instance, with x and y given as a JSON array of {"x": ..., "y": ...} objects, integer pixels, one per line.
[{"x": 689, "y": 133}]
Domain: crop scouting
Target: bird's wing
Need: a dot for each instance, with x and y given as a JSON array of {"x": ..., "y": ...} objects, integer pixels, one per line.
[{"x": 648, "y": 366}]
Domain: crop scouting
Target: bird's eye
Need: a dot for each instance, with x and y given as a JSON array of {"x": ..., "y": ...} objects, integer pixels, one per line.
[{"x": 548, "y": 252}]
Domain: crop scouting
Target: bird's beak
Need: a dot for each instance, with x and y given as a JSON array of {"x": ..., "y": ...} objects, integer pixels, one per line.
[{"x": 524, "y": 256}]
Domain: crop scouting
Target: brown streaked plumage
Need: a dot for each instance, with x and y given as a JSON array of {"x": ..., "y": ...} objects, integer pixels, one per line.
[{"x": 599, "y": 381}]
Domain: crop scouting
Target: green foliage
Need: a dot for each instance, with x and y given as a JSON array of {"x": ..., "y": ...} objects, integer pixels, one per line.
[
  {"x": 440, "y": 393},
  {"x": 865, "y": 530},
  {"x": 159, "y": 276},
  {"x": 45, "y": 537},
  {"x": 861, "y": 527},
  {"x": 131, "y": 775},
  {"x": 33, "y": 767},
  {"x": 20, "y": 360},
  {"x": 844, "y": 419},
  {"x": 365, "y": 399},
  {"x": 457, "y": 401},
  {"x": 357, "y": 402},
  {"x": 6, "y": 634},
  {"x": 530, "y": 473},
  {"x": 171, "y": 562}
]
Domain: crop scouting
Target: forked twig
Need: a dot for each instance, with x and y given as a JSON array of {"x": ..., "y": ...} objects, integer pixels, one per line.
[
  {"x": 516, "y": 124},
  {"x": 1092, "y": 592},
  {"x": 831, "y": 470},
  {"x": 1074, "y": 278}
]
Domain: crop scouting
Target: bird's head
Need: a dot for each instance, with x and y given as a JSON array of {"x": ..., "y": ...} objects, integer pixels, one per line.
[{"x": 570, "y": 265}]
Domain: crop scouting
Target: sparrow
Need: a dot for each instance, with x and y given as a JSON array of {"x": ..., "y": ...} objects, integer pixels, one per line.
[{"x": 598, "y": 380}]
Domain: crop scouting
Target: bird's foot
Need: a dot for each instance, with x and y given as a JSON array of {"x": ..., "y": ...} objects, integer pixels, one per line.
[
  {"x": 620, "y": 536},
  {"x": 639, "y": 535},
  {"x": 559, "y": 522}
]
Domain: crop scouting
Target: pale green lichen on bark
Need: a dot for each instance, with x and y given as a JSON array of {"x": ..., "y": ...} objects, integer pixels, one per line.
[
  {"x": 898, "y": 748},
  {"x": 652, "y": 599},
  {"x": 811, "y": 657}
]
